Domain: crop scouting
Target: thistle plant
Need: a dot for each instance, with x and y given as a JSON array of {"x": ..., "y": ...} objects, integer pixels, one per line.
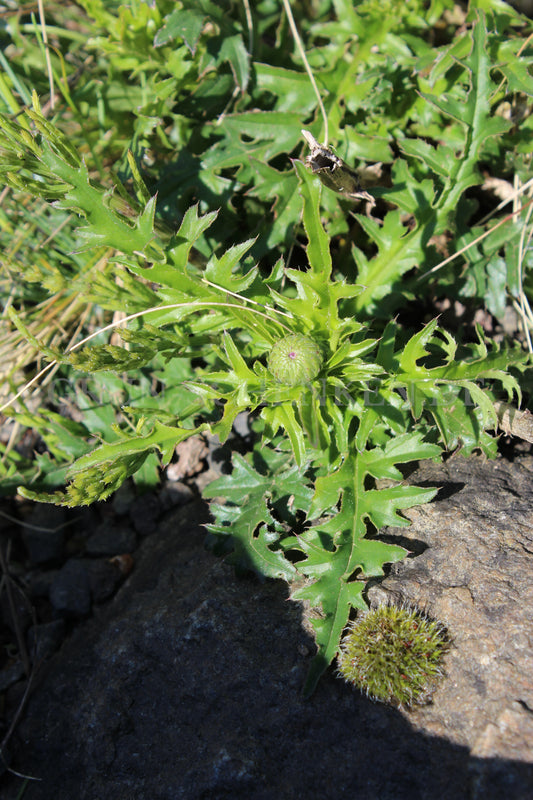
[{"x": 341, "y": 396}]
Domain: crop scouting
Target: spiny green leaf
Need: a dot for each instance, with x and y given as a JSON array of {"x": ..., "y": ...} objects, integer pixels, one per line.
[
  {"x": 291, "y": 89},
  {"x": 329, "y": 629},
  {"x": 222, "y": 270},
  {"x": 317, "y": 240},
  {"x": 436, "y": 158},
  {"x": 247, "y": 519},
  {"x": 234, "y": 51},
  {"x": 183, "y": 23},
  {"x": 415, "y": 349},
  {"x": 162, "y": 438},
  {"x": 282, "y": 416},
  {"x": 275, "y": 132},
  {"x": 332, "y": 560}
]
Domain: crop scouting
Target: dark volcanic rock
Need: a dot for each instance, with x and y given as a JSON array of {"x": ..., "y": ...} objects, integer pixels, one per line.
[
  {"x": 44, "y": 639},
  {"x": 144, "y": 512},
  {"x": 104, "y": 577},
  {"x": 70, "y": 592},
  {"x": 109, "y": 540},
  {"x": 43, "y": 533},
  {"x": 188, "y": 685}
]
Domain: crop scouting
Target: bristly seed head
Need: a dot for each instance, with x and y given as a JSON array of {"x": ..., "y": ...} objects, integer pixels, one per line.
[{"x": 394, "y": 654}]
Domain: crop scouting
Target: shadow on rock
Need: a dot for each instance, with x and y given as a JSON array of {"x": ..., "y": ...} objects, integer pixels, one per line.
[{"x": 188, "y": 685}]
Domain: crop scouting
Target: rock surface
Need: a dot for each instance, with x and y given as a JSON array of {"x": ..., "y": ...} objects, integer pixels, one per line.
[
  {"x": 44, "y": 533},
  {"x": 109, "y": 540},
  {"x": 70, "y": 592},
  {"x": 188, "y": 684},
  {"x": 475, "y": 577}
]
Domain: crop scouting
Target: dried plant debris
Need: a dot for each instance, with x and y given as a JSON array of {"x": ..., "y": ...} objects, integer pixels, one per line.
[{"x": 333, "y": 172}]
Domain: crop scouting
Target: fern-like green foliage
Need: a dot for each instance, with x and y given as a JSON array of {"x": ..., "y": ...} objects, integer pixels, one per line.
[{"x": 325, "y": 474}]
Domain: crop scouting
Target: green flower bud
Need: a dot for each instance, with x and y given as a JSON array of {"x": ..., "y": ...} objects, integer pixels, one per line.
[
  {"x": 295, "y": 360},
  {"x": 394, "y": 654}
]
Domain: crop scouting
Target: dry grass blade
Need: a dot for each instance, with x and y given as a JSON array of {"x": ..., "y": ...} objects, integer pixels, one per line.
[
  {"x": 522, "y": 306},
  {"x": 298, "y": 40},
  {"x": 512, "y": 215}
]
